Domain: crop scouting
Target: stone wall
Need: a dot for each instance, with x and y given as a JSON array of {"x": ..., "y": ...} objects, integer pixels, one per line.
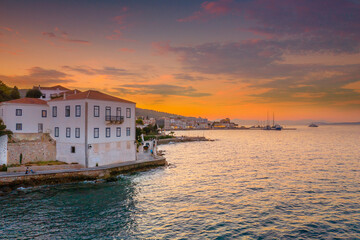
[
  {"x": 42, "y": 149},
  {"x": 3, "y": 149}
]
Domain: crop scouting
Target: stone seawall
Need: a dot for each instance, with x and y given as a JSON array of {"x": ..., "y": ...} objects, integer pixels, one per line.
[
  {"x": 45, "y": 168},
  {"x": 9, "y": 182}
]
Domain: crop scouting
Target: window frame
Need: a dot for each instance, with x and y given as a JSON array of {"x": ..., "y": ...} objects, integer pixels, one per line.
[
  {"x": 128, "y": 112},
  {"x": 67, "y": 111},
  {"x": 77, "y": 110},
  {"x": 128, "y": 132},
  {"x": 107, "y": 108},
  {"x": 72, "y": 149},
  {"x": 68, "y": 130},
  {"x": 77, "y": 132},
  {"x": 17, "y": 126},
  {"x": 18, "y": 112},
  {"x": 107, "y": 132},
  {"x": 118, "y": 111},
  {"x": 118, "y": 132},
  {"x": 42, "y": 113},
  {"x": 56, "y": 131},
  {"x": 54, "y": 111},
  {"x": 96, "y": 132},
  {"x": 96, "y": 110}
]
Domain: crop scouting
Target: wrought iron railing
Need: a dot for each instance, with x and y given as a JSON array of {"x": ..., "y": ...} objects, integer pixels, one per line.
[{"x": 114, "y": 119}]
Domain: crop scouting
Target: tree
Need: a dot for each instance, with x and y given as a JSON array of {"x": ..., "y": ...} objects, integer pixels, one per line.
[
  {"x": 139, "y": 121},
  {"x": 33, "y": 93},
  {"x": 15, "y": 93},
  {"x": 138, "y": 134},
  {"x": 3, "y": 130}
]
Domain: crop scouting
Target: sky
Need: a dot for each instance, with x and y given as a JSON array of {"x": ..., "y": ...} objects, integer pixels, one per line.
[{"x": 225, "y": 58}]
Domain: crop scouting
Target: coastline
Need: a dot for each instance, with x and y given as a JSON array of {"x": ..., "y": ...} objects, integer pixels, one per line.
[{"x": 11, "y": 181}]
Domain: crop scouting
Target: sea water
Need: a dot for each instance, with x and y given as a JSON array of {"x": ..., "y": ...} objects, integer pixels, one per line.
[{"x": 247, "y": 184}]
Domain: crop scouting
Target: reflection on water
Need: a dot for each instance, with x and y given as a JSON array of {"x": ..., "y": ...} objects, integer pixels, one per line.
[{"x": 246, "y": 184}]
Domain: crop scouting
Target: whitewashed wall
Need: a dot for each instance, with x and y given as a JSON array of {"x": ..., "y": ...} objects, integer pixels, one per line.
[
  {"x": 3, "y": 149},
  {"x": 31, "y": 117}
]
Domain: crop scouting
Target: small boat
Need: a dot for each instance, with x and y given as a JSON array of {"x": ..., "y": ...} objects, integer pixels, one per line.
[{"x": 313, "y": 125}]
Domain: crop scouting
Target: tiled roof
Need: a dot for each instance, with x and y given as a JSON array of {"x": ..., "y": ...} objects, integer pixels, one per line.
[
  {"x": 27, "y": 101},
  {"x": 91, "y": 94},
  {"x": 51, "y": 88}
]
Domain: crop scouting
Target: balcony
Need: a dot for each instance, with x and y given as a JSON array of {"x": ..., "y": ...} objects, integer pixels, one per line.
[{"x": 114, "y": 119}]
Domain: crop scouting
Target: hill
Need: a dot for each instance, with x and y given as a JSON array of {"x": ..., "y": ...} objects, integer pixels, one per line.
[{"x": 154, "y": 114}]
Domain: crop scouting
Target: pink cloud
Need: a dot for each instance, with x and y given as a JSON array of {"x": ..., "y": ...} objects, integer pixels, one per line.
[
  {"x": 119, "y": 19},
  {"x": 49, "y": 34},
  {"x": 161, "y": 48},
  {"x": 115, "y": 35},
  {"x": 129, "y": 50},
  {"x": 209, "y": 10},
  {"x": 7, "y": 29},
  {"x": 62, "y": 36}
]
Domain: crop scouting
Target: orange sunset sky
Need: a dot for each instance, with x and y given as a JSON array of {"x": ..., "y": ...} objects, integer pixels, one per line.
[{"x": 215, "y": 59}]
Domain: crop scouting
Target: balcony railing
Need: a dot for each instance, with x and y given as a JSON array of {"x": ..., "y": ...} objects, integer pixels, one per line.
[{"x": 114, "y": 119}]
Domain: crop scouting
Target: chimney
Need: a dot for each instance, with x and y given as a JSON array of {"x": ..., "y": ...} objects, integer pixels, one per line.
[{"x": 75, "y": 91}]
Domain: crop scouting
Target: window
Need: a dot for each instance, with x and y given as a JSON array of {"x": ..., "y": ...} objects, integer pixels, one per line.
[
  {"x": 68, "y": 132},
  {"x": 54, "y": 111},
  {"x": 128, "y": 113},
  {"x": 118, "y": 111},
  {"x": 77, "y": 111},
  {"x": 18, "y": 112},
  {"x": 40, "y": 127},
  {"x": 96, "y": 111},
  {"x": 108, "y": 111},
  {"x": 72, "y": 149},
  {"x": 107, "y": 132},
  {"x": 77, "y": 132},
  {"x": 19, "y": 126},
  {"x": 118, "y": 132},
  {"x": 96, "y": 132},
  {"x": 56, "y": 132},
  {"x": 43, "y": 96},
  {"x": 127, "y": 131},
  {"x": 67, "y": 111},
  {"x": 44, "y": 113}
]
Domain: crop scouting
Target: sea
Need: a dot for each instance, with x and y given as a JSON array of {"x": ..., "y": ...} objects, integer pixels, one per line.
[{"x": 246, "y": 184}]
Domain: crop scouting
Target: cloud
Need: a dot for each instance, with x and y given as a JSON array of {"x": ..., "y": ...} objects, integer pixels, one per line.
[
  {"x": 210, "y": 10},
  {"x": 49, "y": 34},
  {"x": 160, "y": 89},
  {"x": 62, "y": 36},
  {"x": 116, "y": 34},
  {"x": 129, "y": 50},
  {"x": 38, "y": 75},
  {"x": 260, "y": 64},
  {"x": 188, "y": 77},
  {"x": 109, "y": 71}
]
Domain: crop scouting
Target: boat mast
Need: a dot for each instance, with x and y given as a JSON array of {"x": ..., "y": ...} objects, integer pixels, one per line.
[{"x": 273, "y": 119}]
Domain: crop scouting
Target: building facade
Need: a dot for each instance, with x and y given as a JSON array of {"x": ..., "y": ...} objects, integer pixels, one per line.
[
  {"x": 93, "y": 128},
  {"x": 90, "y": 128},
  {"x": 25, "y": 115}
]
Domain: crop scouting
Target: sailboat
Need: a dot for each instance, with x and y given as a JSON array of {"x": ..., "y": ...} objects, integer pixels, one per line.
[{"x": 274, "y": 126}]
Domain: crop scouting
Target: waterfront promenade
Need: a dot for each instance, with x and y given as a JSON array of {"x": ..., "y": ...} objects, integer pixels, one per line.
[{"x": 9, "y": 181}]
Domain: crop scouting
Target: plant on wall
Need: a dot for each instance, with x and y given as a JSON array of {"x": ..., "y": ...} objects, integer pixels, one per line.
[{"x": 3, "y": 130}]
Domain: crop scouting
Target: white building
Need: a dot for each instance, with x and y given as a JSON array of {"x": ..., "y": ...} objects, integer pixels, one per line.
[
  {"x": 25, "y": 115},
  {"x": 90, "y": 128},
  {"x": 49, "y": 92},
  {"x": 93, "y": 128}
]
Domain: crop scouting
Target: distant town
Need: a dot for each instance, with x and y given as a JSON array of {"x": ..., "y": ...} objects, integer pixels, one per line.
[{"x": 185, "y": 123}]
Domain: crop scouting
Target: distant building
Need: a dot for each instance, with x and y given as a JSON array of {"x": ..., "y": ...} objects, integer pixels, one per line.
[
  {"x": 51, "y": 92},
  {"x": 224, "y": 124}
]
